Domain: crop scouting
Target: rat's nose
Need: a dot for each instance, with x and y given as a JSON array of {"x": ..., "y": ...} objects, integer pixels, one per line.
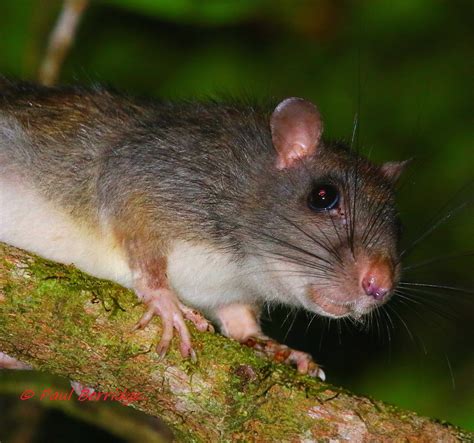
[
  {"x": 377, "y": 278},
  {"x": 371, "y": 288}
]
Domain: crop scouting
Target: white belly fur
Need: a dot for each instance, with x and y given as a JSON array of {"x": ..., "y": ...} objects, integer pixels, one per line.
[
  {"x": 201, "y": 276},
  {"x": 205, "y": 277},
  {"x": 30, "y": 222}
]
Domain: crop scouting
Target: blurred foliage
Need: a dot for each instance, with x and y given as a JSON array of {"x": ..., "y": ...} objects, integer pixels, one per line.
[
  {"x": 404, "y": 68},
  {"x": 45, "y": 420},
  {"x": 210, "y": 12}
]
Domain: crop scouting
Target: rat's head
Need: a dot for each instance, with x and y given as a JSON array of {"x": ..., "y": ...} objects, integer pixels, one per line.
[{"x": 329, "y": 229}]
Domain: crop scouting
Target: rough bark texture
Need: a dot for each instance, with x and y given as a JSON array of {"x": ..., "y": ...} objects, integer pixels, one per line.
[{"x": 62, "y": 321}]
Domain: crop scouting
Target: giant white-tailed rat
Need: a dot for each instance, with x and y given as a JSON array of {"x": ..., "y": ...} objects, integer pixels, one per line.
[{"x": 199, "y": 207}]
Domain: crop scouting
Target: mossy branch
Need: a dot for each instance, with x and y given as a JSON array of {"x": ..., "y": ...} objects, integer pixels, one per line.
[{"x": 62, "y": 321}]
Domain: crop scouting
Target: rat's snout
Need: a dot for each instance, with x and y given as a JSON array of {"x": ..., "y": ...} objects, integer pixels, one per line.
[
  {"x": 369, "y": 281},
  {"x": 377, "y": 277}
]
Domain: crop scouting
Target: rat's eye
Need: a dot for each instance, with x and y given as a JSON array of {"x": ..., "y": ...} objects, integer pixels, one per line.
[{"x": 323, "y": 198}]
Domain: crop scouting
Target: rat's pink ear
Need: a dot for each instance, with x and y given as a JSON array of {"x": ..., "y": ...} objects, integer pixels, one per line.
[
  {"x": 296, "y": 130},
  {"x": 393, "y": 170}
]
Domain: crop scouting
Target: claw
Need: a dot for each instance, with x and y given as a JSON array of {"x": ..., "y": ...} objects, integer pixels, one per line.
[
  {"x": 319, "y": 373},
  {"x": 161, "y": 353}
]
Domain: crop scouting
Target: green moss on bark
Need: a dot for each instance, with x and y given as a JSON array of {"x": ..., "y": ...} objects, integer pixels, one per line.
[{"x": 64, "y": 322}]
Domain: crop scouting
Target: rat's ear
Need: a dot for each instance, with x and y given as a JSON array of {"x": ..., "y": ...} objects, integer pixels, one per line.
[
  {"x": 393, "y": 170},
  {"x": 296, "y": 130}
]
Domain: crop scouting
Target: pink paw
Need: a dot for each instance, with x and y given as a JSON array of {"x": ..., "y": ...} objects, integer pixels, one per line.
[
  {"x": 163, "y": 303},
  {"x": 281, "y": 353}
]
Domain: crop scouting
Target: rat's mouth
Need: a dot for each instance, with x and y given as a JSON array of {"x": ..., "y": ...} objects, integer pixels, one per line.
[
  {"x": 356, "y": 306},
  {"x": 329, "y": 307}
]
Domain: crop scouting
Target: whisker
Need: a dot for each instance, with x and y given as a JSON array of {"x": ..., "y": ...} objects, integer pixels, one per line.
[
  {"x": 429, "y": 285},
  {"x": 438, "y": 259},
  {"x": 401, "y": 295},
  {"x": 356, "y": 178},
  {"x": 427, "y": 294},
  {"x": 290, "y": 311},
  {"x": 296, "y": 248},
  {"x": 295, "y": 313},
  {"x": 329, "y": 248},
  {"x": 453, "y": 383},
  {"x": 403, "y": 323},
  {"x": 388, "y": 324},
  {"x": 437, "y": 311},
  {"x": 374, "y": 218},
  {"x": 309, "y": 323},
  {"x": 434, "y": 224},
  {"x": 440, "y": 309}
]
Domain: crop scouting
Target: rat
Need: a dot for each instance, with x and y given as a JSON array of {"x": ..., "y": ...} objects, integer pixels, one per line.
[{"x": 207, "y": 210}]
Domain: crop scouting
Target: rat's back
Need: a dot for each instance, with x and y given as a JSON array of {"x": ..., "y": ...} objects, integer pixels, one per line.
[{"x": 64, "y": 139}]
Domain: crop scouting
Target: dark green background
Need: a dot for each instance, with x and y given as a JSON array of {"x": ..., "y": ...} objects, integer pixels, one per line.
[{"x": 404, "y": 67}]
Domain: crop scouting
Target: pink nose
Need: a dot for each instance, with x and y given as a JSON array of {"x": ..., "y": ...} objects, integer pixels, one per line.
[
  {"x": 377, "y": 278},
  {"x": 371, "y": 288}
]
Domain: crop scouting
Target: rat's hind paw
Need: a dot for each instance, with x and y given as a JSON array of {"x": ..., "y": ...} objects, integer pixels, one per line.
[{"x": 301, "y": 360}]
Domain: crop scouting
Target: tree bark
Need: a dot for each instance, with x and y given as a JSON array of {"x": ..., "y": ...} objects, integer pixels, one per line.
[{"x": 59, "y": 320}]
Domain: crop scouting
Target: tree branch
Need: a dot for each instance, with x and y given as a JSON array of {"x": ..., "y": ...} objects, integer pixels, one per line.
[
  {"x": 62, "y": 321},
  {"x": 61, "y": 40}
]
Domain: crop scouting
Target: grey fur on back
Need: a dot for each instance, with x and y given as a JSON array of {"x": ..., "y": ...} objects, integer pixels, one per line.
[{"x": 89, "y": 150}]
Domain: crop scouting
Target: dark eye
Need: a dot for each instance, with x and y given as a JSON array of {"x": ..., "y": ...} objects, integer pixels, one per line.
[{"x": 323, "y": 198}]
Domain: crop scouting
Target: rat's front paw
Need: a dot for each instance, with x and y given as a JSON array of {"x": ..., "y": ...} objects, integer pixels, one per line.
[
  {"x": 163, "y": 303},
  {"x": 281, "y": 353}
]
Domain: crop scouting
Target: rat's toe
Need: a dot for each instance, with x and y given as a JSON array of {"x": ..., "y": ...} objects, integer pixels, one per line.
[
  {"x": 306, "y": 365},
  {"x": 194, "y": 316},
  {"x": 166, "y": 336},
  {"x": 302, "y": 366},
  {"x": 145, "y": 319},
  {"x": 185, "y": 346}
]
